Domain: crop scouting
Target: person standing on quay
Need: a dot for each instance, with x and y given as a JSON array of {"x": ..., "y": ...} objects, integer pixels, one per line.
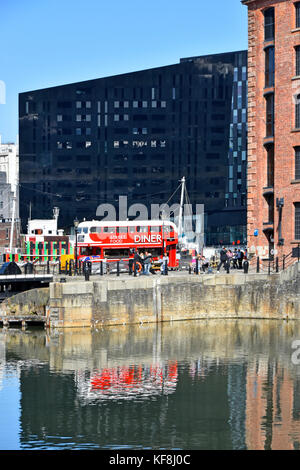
[
  {"x": 147, "y": 263},
  {"x": 240, "y": 258},
  {"x": 223, "y": 259}
]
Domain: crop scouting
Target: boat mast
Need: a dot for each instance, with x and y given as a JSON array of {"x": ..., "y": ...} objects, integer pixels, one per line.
[
  {"x": 181, "y": 207},
  {"x": 13, "y": 218}
]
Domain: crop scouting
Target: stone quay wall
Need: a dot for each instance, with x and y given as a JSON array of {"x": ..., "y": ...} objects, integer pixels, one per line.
[{"x": 130, "y": 300}]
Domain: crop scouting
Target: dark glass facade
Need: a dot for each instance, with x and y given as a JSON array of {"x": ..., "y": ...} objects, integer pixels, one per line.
[{"x": 136, "y": 135}]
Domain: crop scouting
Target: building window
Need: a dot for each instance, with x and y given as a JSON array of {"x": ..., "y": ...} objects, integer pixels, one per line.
[
  {"x": 270, "y": 115},
  {"x": 297, "y": 12},
  {"x": 269, "y": 67},
  {"x": 269, "y": 24},
  {"x": 297, "y": 220},
  {"x": 297, "y": 112},
  {"x": 297, "y": 53},
  {"x": 270, "y": 167},
  {"x": 297, "y": 163}
]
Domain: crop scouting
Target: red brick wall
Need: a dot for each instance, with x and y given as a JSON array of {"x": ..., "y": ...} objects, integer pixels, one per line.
[
  {"x": 5, "y": 228},
  {"x": 285, "y": 136}
]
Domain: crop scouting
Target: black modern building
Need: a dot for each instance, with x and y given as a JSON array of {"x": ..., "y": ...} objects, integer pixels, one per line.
[{"x": 137, "y": 134}]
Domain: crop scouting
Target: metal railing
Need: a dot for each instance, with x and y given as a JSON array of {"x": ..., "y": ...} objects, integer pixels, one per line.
[{"x": 276, "y": 264}]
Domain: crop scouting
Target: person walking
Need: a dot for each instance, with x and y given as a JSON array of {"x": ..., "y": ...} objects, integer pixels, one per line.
[{"x": 223, "y": 259}]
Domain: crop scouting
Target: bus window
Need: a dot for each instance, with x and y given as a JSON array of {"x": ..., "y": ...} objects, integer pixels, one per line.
[
  {"x": 155, "y": 229},
  {"x": 79, "y": 230},
  {"x": 97, "y": 251},
  {"x": 116, "y": 253},
  {"x": 85, "y": 230},
  {"x": 86, "y": 251},
  {"x": 109, "y": 230},
  {"x": 166, "y": 228},
  {"x": 155, "y": 252},
  {"x": 131, "y": 229},
  {"x": 121, "y": 229},
  {"x": 144, "y": 229},
  {"x": 95, "y": 230}
]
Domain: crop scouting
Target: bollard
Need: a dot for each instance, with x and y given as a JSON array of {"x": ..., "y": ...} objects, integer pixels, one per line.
[
  {"x": 48, "y": 267},
  {"x": 134, "y": 269},
  {"x": 101, "y": 268},
  {"x": 118, "y": 268},
  {"x": 246, "y": 267},
  {"x": 277, "y": 264},
  {"x": 197, "y": 266},
  {"x": 190, "y": 269},
  {"x": 67, "y": 267},
  {"x": 269, "y": 267},
  {"x": 257, "y": 265},
  {"x": 283, "y": 263},
  {"x": 130, "y": 267}
]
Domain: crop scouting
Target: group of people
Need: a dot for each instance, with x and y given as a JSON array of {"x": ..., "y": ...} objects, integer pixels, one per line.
[
  {"x": 145, "y": 260},
  {"x": 231, "y": 259}
]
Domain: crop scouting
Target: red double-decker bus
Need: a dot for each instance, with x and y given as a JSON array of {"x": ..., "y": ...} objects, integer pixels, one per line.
[{"x": 118, "y": 240}]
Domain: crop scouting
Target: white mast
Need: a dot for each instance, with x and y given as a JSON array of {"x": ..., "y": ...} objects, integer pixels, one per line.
[
  {"x": 181, "y": 207},
  {"x": 13, "y": 218}
]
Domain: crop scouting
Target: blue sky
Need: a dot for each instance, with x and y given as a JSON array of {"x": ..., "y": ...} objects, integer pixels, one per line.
[{"x": 53, "y": 42}]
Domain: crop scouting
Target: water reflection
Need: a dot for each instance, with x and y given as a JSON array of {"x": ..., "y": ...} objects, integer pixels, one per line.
[{"x": 188, "y": 385}]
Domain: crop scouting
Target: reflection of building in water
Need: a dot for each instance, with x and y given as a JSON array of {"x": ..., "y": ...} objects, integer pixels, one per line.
[
  {"x": 2, "y": 359},
  {"x": 237, "y": 400},
  {"x": 127, "y": 382},
  {"x": 272, "y": 407},
  {"x": 194, "y": 385}
]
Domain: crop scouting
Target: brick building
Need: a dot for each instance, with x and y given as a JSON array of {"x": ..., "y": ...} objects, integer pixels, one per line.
[{"x": 273, "y": 223}]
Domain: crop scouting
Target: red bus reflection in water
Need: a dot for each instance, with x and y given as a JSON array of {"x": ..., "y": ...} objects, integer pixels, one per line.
[{"x": 128, "y": 382}]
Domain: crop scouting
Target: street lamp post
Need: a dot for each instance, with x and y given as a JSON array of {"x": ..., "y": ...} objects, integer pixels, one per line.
[{"x": 76, "y": 223}]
